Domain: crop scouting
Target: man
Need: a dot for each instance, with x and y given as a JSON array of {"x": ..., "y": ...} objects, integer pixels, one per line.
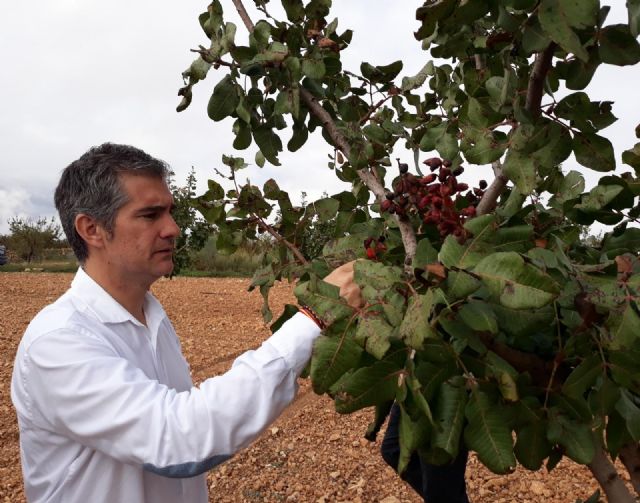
[{"x": 106, "y": 408}]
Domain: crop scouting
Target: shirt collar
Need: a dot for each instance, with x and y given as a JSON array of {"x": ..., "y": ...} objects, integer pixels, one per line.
[{"x": 107, "y": 309}]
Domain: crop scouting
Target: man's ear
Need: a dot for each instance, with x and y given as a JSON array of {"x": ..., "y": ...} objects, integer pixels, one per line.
[{"x": 91, "y": 231}]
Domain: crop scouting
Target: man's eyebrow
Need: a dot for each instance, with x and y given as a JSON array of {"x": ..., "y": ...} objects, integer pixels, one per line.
[{"x": 155, "y": 208}]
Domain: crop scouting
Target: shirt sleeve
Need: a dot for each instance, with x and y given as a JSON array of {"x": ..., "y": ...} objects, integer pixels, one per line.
[{"x": 79, "y": 387}]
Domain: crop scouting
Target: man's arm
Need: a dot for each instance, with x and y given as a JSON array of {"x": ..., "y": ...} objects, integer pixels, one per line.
[{"x": 76, "y": 385}]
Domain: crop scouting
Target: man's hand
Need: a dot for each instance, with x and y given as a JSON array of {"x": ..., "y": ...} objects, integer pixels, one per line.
[{"x": 342, "y": 277}]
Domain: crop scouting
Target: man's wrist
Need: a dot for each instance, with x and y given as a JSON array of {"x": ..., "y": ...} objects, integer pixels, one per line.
[{"x": 312, "y": 315}]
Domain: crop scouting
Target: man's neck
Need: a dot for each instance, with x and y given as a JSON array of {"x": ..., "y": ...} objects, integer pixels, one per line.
[{"x": 128, "y": 293}]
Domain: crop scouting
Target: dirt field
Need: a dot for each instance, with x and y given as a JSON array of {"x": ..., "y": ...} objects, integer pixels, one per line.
[{"x": 311, "y": 454}]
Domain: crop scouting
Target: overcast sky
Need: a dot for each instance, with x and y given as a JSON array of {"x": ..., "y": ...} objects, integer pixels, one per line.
[{"x": 77, "y": 73}]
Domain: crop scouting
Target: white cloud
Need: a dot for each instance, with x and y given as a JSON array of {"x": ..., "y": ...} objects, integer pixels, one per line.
[{"x": 13, "y": 202}]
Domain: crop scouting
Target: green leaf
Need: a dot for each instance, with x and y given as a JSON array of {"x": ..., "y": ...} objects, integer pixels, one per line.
[
  {"x": 425, "y": 254},
  {"x": 521, "y": 170},
  {"x": 381, "y": 74},
  {"x": 430, "y": 14},
  {"x": 593, "y": 151},
  {"x": 373, "y": 335},
  {"x": 366, "y": 386},
  {"x": 326, "y": 208},
  {"x": 571, "y": 187},
  {"x": 449, "y": 417},
  {"x": 415, "y": 326},
  {"x": 410, "y": 83},
  {"x": 479, "y": 316},
  {"x": 268, "y": 142},
  {"x": 532, "y": 446},
  {"x": 215, "y": 191},
  {"x": 583, "y": 377},
  {"x": 260, "y": 160},
  {"x": 332, "y": 357},
  {"x": 375, "y": 278},
  {"x": 412, "y": 435},
  {"x": 324, "y": 299},
  {"x": 224, "y": 99},
  {"x": 299, "y": 137},
  {"x": 599, "y": 197},
  {"x": 575, "y": 437},
  {"x": 516, "y": 284},
  {"x": 294, "y": 10},
  {"x": 488, "y": 433},
  {"x": 624, "y": 328},
  {"x": 313, "y": 68},
  {"x": 618, "y": 46},
  {"x": 625, "y": 369},
  {"x": 560, "y": 18},
  {"x": 628, "y": 409}
]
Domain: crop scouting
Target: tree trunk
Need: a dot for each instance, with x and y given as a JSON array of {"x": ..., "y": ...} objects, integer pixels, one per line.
[
  {"x": 630, "y": 457},
  {"x": 605, "y": 473}
]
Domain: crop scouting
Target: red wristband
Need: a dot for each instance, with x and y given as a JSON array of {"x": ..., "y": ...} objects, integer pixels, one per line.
[{"x": 312, "y": 316}]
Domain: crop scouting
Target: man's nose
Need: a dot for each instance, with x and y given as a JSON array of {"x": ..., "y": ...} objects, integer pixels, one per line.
[{"x": 170, "y": 229}]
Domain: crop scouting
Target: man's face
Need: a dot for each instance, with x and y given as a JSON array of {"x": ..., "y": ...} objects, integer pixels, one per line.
[{"x": 141, "y": 246}]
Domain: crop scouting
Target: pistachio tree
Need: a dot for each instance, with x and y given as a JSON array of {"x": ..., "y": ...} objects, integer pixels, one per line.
[{"x": 486, "y": 318}]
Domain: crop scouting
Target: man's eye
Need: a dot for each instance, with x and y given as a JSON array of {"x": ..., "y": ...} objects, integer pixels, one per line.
[{"x": 149, "y": 216}]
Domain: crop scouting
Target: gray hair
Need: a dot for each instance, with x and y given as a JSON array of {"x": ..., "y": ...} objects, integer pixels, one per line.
[{"x": 91, "y": 185}]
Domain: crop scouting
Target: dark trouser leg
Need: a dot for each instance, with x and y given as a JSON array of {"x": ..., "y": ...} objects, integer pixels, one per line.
[
  {"x": 436, "y": 484},
  {"x": 445, "y": 483},
  {"x": 390, "y": 451}
]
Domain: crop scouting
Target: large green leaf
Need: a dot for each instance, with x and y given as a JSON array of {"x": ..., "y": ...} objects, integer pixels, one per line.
[
  {"x": 412, "y": 435},
  {"x": 560, "y": 18},
  {"x": 521, "y": 170},
  {"x": 627, "y": 407},
  {"x": 224, "y": 99},
  {"x": 375, "y": 278},
  {"x": 624, "y": 327},
  {"x": 415, "y": 325},
  {"x": 594, "y": 151},
  {"x": 324, "y": 299},
  {"x": 479, "y": 316},
  {"x": 489, "y": 434},
  {"x": 366, "y": 386},
  {"x": 373, "y": 335},
  {"x": 599, "y": 197},
  {"x": 514, "y": 283},
  {"x": 532, "y": 446},
  {"x": 576, "y": 437},
  {"x": 332, "y": 358},
  {"x": 618, "y": 46},
  {"x": 449, "y": 417},
  {"x": 583, "y": 376},
  {"x": 268, "y": 142}
]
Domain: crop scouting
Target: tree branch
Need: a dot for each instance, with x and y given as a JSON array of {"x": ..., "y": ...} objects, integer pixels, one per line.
[
  {"x": 630, "y": 457},
  {"x": 244, "y": 15},
  {"x": 535, "y": 89},
  {"x": 607, "y": 476},
  {"x": 491, "y": 195},
  {"x": 536, "y": 80}
]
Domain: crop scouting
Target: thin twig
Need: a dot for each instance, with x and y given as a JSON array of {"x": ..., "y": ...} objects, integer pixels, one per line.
[{"x": 374, "y": 108}]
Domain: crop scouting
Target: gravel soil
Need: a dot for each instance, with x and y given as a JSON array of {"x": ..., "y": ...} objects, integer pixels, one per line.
[{"x": 310, "y": 454}]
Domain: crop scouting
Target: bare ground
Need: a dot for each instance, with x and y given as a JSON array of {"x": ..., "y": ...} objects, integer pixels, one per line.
[{"x": 310, "y": 454}]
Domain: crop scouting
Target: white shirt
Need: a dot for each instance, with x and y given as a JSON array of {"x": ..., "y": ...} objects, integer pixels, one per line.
[{"x": 107, "y": 411}]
